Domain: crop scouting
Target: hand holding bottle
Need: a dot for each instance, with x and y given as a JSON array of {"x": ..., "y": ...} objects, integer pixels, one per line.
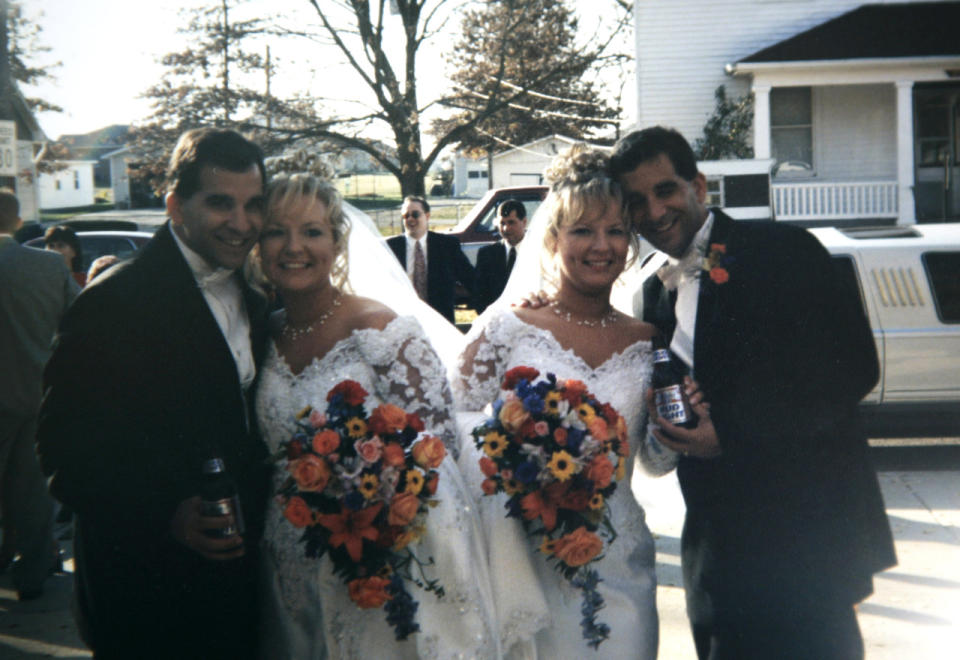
[
  {"x": 193, "y": 529},
  {"x": 701, "y": 441}
]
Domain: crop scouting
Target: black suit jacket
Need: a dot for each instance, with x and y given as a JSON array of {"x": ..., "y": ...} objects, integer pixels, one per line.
[
  {"x": 791, "y": 510},
  {"x": 141, "y": 385},
  {"x": 447, "y": 266},
  {"x": 491, "y": 277}
]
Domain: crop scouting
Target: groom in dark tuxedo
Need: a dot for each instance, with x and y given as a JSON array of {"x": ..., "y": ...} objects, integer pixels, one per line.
[
  {"x": 150, "y": 376},
  {"x": 495, "y": 262},
  {"x": 434, "y": 262},
  {"x": 785, "y": 524}
]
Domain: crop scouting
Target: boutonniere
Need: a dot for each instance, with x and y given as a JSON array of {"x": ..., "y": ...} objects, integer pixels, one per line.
[{"x": 716, "y": 262}]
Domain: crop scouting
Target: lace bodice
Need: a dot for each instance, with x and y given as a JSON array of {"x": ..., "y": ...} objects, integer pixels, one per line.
[
  {"x": 395, "y": 365},
  {"x": 506, "y": 342}
]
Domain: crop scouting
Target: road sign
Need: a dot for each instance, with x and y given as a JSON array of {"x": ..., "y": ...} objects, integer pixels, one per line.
[{"x": 8, "y": 148}]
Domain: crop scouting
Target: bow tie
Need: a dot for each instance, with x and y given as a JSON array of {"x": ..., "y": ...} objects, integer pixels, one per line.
[
  {"x": 686, "y": 269},
  {"x": 216, "y": 278}
]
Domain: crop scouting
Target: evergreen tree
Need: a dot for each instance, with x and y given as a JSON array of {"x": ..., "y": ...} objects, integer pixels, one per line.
[
  {"x": 24, "y": 46},
  {"x": 728, "y": 131}
]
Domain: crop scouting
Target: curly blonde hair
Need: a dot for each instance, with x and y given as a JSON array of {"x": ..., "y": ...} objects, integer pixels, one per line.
[
  {"x": 580, "y": 183},
  {"x": 285, "y": 190}
]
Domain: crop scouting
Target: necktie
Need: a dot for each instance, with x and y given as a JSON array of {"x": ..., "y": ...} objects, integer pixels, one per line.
[
  {"x": 420, "y": 271},
  {"x": 511, "y": 258}
]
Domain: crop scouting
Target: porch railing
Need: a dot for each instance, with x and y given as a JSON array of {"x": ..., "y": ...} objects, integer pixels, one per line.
[{"x": 804, "y": 200}]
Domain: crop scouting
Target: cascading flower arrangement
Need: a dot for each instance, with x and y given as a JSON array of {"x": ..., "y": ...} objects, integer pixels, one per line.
[
  {"x": 360, "y": 487},
  {"x": 557, "y": 453}
]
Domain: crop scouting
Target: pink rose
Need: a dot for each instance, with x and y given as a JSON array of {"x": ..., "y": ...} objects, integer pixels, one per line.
[
  {"x": 541, "y": 428},
  {"x": 369, "y": 450},
  {"x": 317, "y": 418}
]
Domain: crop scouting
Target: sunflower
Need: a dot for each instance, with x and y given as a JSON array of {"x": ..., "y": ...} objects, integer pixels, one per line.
[
  {"x": 369, "y": 485},
  {"x": 551, "y": 403},
  {"x": 562, "y": 466},
  {"x": 494, "y": 444},
  {"x": 512, "y": 486},
  {"x": 356, "y": 427},
  {"x": 596, "y": 502},
  {"x": 586, "y": 413},
  {"x": 621, "y": 472},
  {"x": 547, "y": 546},
  {"x": 414, "y": 479}
]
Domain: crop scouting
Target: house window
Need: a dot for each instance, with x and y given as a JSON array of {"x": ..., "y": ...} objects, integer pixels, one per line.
[
  {"x": 477, "y": 174},
  {"x": 715, "y": 191},
  {"x": 933, "y": 116},
  {"x": 791, "y": 126},
  {"x": 57, "y": 184},
  {"x": 76, "y": 180}
]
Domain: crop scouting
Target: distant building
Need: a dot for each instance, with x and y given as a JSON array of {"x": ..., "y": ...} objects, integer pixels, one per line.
[
  {"x": 524, "y": 165},
  {"x": 471, "y": 177},
  {"x": 119, "y": 162},
  {"x": 856, "y": 103},
  {"x": 68, "y": 187}
]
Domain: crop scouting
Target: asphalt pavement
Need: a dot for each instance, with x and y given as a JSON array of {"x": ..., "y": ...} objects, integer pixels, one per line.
[{"x": 914, "y": 612}]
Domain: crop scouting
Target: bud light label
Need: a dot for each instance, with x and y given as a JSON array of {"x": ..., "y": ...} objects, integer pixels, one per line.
[
  {"x": 661, "y": 355},
  {"x": 669, "y": 402}
]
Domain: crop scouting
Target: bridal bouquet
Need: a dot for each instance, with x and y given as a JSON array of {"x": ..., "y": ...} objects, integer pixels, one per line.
[
  {"x": 557, "y": 453},
  {"x": 360, "y": 487}
]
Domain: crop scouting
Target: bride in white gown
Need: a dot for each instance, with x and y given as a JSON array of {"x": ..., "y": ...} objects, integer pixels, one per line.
[
  {"x": 577, "y": 335},
  {"x": 322, "y": 337}
]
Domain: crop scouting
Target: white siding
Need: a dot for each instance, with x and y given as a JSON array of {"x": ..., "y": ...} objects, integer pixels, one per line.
[
  {"x": 27, "y": 191},
  {"x": 855, "y": 132},
  {"x": 525, "y": 165},
  {"x": 76, "y": 186},
  {"x": 683, "y": 46}
]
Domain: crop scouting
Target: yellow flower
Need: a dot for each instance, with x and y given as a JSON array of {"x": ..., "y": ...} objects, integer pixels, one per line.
[
  {"x": 412, "y": 535},
  {"x": 356, "y": 427},
  {"x": 494, "y": 444},
  {"x": 551, "y": 403},
  {"x": 561, "y": 465},
  {"x": 547, "y": 546},
  {"x": 304, "y": 412},
  {"x": 511, "y": 486},
  {"x": 586, "y": 413},
  {"x": 596, "y": 502},
  {"x": 414, "y": 481},
  {"x": 369, "y": 484},
  {"x": 621, "y": 469}
]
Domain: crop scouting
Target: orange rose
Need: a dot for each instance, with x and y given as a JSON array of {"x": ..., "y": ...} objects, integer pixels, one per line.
[
  {"x": 598, "y": 429},
  {"x": 297, "y": 512},
  {"x": 369, "y": 593},
  {"x": 393, "y": 454},
  {"x": 573, "y": 390},
  {"x": 578, "y": 547},
  {"x": 575, "y": 500},
  {"x": 609, "y": 413},
  {"x": 600, "y": 471},
  {"x": 431, "y": 485},
  {"x": 310, "y": 472},
  {"x": 489, "y": 486},
  {"x": 403, "y": 509},
  {"x": 352, "y": 392},
  {"x": 414, "y": 422},
  {"x": 719, "y": 275},
  {"x": 387, "y": 418},
  {"x": 513, "y": 415},
  {"x": 326, "y": 441},
  {"x": 429, "y": 452},
  {"x": 487, "y": 466},
  {"x": 560, "y": 435}
]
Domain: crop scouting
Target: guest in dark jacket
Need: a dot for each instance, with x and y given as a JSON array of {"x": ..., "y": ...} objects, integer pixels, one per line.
[
  {"x": 63, "y": 239},
  {"x": 495, "y": 262}
]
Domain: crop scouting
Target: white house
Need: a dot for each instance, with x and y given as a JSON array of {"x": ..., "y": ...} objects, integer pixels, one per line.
[
  {"x": 69, "y": 187},
  {"x": 524, "y": 165},
  {"x": 120, "y": 176},
  {"x": 471, "y": 177},
  {"x": 856, "y": 103}
]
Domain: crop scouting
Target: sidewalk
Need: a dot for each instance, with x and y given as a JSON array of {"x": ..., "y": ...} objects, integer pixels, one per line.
[{"x": 914, "y": 613}]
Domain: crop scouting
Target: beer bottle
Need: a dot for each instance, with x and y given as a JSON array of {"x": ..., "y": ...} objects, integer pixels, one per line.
[
  {"x": 219, "y": 497},
  {"x": 667, "y": 383}
]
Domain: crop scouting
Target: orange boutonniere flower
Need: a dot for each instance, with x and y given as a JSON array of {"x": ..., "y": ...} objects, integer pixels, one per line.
[{"x": 716, "y": 262}]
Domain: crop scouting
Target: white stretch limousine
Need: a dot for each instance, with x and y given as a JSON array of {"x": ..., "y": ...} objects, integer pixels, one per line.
[{"x": 908, "y": 279}]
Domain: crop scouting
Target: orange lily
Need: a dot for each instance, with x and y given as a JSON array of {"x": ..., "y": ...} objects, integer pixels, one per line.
[
  {"x": 543, "y": 504},
  {"x": 351, "y": 527}
]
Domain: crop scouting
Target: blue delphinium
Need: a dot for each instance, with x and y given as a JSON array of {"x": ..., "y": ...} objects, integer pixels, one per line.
[
  {"x": 593, "y": 632},
  {"x": 401, "y": 609}
]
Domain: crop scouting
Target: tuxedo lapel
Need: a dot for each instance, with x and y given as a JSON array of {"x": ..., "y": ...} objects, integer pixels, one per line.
[
  {"x": 658, "y": 307},
  {"x": 710, "y": 304}
]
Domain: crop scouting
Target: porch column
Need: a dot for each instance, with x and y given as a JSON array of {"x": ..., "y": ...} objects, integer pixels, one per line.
[
  {"x": 761, "y": 122},
  {"x": 905, "y": 171}
]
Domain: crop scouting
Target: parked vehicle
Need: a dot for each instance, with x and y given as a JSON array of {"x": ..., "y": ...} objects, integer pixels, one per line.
[
  {"x": 122, "y": 244},
  {"x": 479, "y": 227},
  {"x": 908, "y": 279}
]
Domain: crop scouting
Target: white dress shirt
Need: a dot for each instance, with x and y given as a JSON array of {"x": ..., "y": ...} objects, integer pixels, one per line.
[
  {"x": 224, "y": 297},
  {"x": 411, "y": 246},
  {"x": 688, "y": 291}
]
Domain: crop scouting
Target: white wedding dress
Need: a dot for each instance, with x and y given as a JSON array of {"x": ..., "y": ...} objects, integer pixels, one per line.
[
  {"x": 539, "y": 611},
  {"x": 309, "y": 614}
]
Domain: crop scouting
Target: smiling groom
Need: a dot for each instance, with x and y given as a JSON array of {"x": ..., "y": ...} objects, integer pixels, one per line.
[{"x": 150, "y": 376}]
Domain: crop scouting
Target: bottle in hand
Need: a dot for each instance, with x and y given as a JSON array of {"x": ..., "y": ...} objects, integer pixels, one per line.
[
  {"x": 668, "y": 391},
  {"x": 219, "y": 497}
]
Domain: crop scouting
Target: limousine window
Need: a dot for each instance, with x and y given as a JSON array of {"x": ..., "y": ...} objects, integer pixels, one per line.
[
  {"x": 943, "y": 269},
  {"x": 847, "y": 279},
  {"x": 489, "y": 222}
]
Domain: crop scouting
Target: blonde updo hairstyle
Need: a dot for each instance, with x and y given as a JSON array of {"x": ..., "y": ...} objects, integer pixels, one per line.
[
  {"x": 580, "y": 185},
  {"x": 286, "y": 190}
]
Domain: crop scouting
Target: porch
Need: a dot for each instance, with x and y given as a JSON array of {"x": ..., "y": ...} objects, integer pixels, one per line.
[{"x": 839, "y": 200}]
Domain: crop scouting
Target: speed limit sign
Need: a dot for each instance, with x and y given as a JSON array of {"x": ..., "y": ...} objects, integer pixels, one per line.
[{"x": 8, "y": 148}]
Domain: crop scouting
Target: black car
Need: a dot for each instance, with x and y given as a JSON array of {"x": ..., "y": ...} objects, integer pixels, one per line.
[{"x": 122, "y": 244}]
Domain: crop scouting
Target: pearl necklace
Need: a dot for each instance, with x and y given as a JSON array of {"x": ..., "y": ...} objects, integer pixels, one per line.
[
  {"x": 294, "y": 333},
  {"x": 609, "y": 317}
]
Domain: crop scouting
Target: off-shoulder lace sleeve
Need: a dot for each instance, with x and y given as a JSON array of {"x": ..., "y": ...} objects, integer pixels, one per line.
[
  {"x": 411, "y": 375},
  {"x": 482, "y": 364}
]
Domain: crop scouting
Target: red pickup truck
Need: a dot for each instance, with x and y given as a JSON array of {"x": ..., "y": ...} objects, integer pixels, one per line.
[{"x": 479, "y": 227}]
